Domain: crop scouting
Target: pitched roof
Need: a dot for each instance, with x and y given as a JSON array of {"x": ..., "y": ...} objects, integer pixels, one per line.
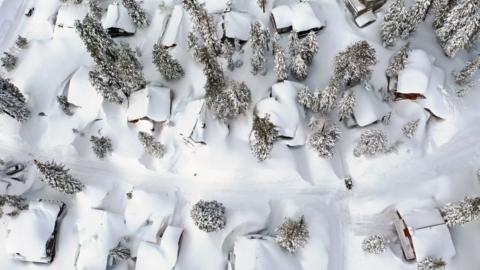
[
  {"x": 117, "y": 17},
  {"x": 151, "y": 256},
  {"x": 174, "y": 27},
  {"x": 152, "y": 102},
  {"x": 237, "y": 25},
  {"x": 300, "y": 17},
  {"x": 368, "y": 107},
  {"x": 415, "y": 77}
]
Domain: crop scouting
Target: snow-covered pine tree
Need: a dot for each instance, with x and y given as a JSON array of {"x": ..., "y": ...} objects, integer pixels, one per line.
[
  {"x": 299, "y": 68},
  {"x": 119, "y": 253},
  {"x": 463, "y": 37},
  {"x": 9, "y": 61},
  {"x": 231, "y": 101},
  {"x": 136, "y": 12},
  {"x": 275, "y": 43},
  {"x": 100, "y": 46},
  {"x": 258, "y": 40},
  {"x": 151, "y": 145},
  {"x": 430, "y": 263},
  {"x": 394, "y": 22},
  {"x": 208, "y": 216},
  {"x": 374, "y": 244},
  {"x": 345, "y": 105},
  {"x": 95, "y": 9},
  {"x": 64, "y": 105},
  {"x": 461, "y": 212},
  {"x": 262, "y": 4},
  {"x": 58, "y": 178},
  {"x": 280, "y": 65},
  {"x": 398, "y": 61},
  {"x": 328, "y": 98},
  {"x": 292, "y": 234},
  {"x": 101, "y": 146},
  {"x": 410, "y": 129},
  {"x": 324, "y": 140},
  {"x": 352, "y": 65},
  {"x": 416, "y": 14},
  {"x": 440, "y": 9},
  {"x": 227, "y": 53},
  {"x": 130, "y": 69},
  {"x": 309, "y": 47},
  {"x": 463, "y": 76},
  {"x": 306, "y": 98},
  {"x": 264, "y": 134},
  {"x": 13, "y": 204},
  {"x": 12, "y": 101},
  {"x": 372, "y": 142},
  {"x": 293, "y": 45},
  {"x": 21, "y": 42},
  {"x": 108, "y": 82},
  {"x": 203, "y": 25},
  {"x": 166, "y": 64}
]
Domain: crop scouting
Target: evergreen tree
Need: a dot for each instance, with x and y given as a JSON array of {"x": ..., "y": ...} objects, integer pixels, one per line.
[
  {"x": 108, "y": 82},
  {"x": 12, "y": 101},
  {"x": 231, "y": 101},
  {"x": 203, "y": 25},
  {"x": 415, "y": 15},
  {"x": 462, "y": 77},
  {"x": 352, "y": 65},
  {"x": 100, "y": 46},
  {"x": 410, "y": 129},
  {"x": 346, "y": 105},
  {"x": 21, "y": 42},
  {"x": 440, "y": 10},
  {"x": 65, "y": 106},
  {"x": 306, "y": 98},
  {"x": 299, "y": 68},
  {"x": 275, "y": 43},
  {"x": 12, "y": 205},
  {"x": 292, "y": 234},
  {"x": 58, "y": 178},
  {"x": 118, "y": 254},
  {"x": 372, "y": 142},
  {"x": 227, "y": 53},
  {"x": 264, "y": 134},
  {"x": 461, "y": 212},
  {"x": 430, "y": 263},
  {"x": 293, "y": 45},
  {"x": 328, "y": 97},
  {"x": 374, "y": 244},
  {"x": 259, "y": 42},
  {"x": 309, "y": 47},
  {"x": 151, "y": 145},
  {"x": 394, "y": 22},
  {"x": 208, "y": 216},
  {"x": 95, "y": 9},
  {"x": 280, "y": 65},
  {"x": 130, "y": 69},
  {"x": 136, "y": 12},
  {"x": 398, "y": 61},
  {"x": 324, "y": 140},
  {"x": 9, "y": 61},
  {"x": 101, "y": 146},
  {"x": 166, "y": 64}
]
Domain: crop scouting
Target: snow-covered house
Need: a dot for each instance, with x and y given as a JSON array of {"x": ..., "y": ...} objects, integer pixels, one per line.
[
  {"x": 236, "y": 25},
  {"x": 192, "y": 123},
  {"x": 284, "y": 112},
  {"x": 174, "y": 27},
  {"x": 362, "y": 15},
  {"x": 31, "y": 236},
  {"x": 163, "y": 256},
  {"x": 299, "y": 18},
  {"x": 117, "y": 22},
  {"x": 216, "y": 6},
  {"x": 422, "y": 231},
  {"x": 368, "y": 108},
  {"x": 149, "y": 106},
  {"x": 68, "y": 14}
]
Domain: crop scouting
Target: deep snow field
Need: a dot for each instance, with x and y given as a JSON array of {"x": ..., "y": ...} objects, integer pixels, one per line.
[{"x": 441, "y": 164}]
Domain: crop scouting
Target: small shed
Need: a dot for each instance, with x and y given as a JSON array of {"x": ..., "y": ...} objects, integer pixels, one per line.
[
  {"x": 368, "y": 109},
  {"x": 236, "y": 25},
  {"x": 151, "y": 104},
  {"x": 299, "y": 18},
  {"x": 32, "y": 235},
  {"x": 422, "y": 232},
  {"x": 117, "y": 22},
  {"x": 174, "y": 27},
  {"x": 163, "y": 256}
]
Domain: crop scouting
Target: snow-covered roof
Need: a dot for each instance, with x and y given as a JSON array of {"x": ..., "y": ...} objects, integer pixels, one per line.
[
  {"x": 303, "y": 18},
  {"x": 237, "y": 25},
  {"x": 415, "y": 77},
  {"x": 436, "y": 98},
  {"x": 92, "y": 195},
  {"x": 29, "y": 232},
  {"x": 99, "y": 231},
  {"x": 151, "y": 256},
  {"x": 117, "y": 17},
  {"x": 81, "y": 93},
  {"x": 153, "y": 103},
  {"x": 262, "y": 254},
  {"x": 68, "y": 14},
  {"x": 191, "y": 124},
  {"x": 283, "y": 110},
  {"x": 170, "y": 36},
  {"x": 215, "y": 6},
  {"x": 282, "y": 16},
  {"x": 368, "y": 107}
]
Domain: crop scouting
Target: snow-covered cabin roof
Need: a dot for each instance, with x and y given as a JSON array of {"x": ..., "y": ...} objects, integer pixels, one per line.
[
  {"x": 299, "y": 17},
  {"x": 429, "y": 234},
  {"x": 436, "y": 98},
  {"x": 152, "y": 103},
  {"x": 283, "y": 110},
  {"x": 99, "y": 231},
  {"x": 215, "y": 6},
  {"x": 117, "y": 18},
  {"x": 68, "y": 14},
  {"x": 151, "y": 256},
  {"x": 29, "y": 233},
  {"x": 368, "y": 107},
  {"x": 415, "y": 77},
  {"x": 191, "y": 122},
  {"x": 170, "y": 36},
  {"x": 237, "y": 25},
  {"x": 262, "y": 254},
  {"x": 282, "y": 17}
]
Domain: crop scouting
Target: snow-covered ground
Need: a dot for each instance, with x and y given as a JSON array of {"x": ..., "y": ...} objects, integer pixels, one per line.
[{"x": 257, "y": 195}]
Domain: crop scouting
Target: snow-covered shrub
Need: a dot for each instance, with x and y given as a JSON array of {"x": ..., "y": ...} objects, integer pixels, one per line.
[
  {"x": 372, "y": 142},
  {"x": 264, "y": 134},
  {"x": 463, "y": 76},
  {"x": 231, "y": 102},
  {"x": 345, "y": 105},
  {"x": 12, "y": 205},
  {"x": 118, "y": 254},
  {"x": 461, "y": 212},
  {"x": 9, "y": 61},
  {"x": 299, "y": 68},
  {"x": 280, "y": 65},
  {"x": 101, "y": 146},
  {"x": 12, "y": 101},
  {"x": 410, "y": 129},
  {"x": 166, "y": 64},
  {"x": 374, "y": 244},
  {"x": 292, "y": 234},
  {"x": 151, "y": 145},
  {"x": 323, "y": 141},
  {"x": 208, "y": 216},
  {"x": 58, "y": 178},
  {"x": 398, "y": 61},
  {"x": 352, "y": 65},
  {"x": 21, "y": 42},
  {"x": 430, "y": 263},
  {"x": 136, "y": 12},
  {"x": 64, "y": 105}
]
